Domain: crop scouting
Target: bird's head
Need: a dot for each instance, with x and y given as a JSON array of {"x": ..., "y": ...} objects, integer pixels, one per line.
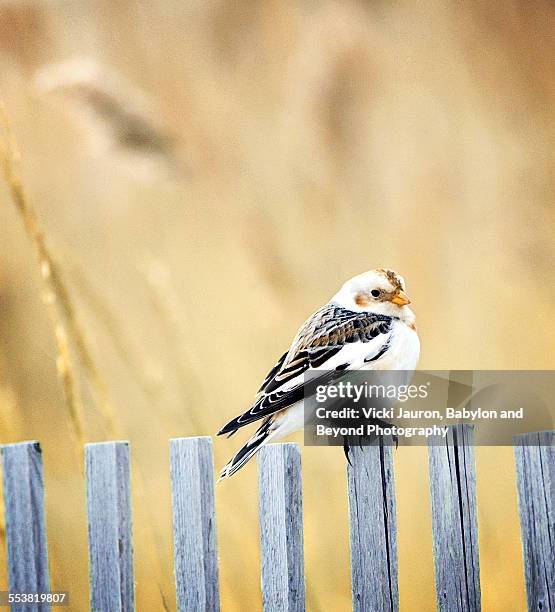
[{"x": 381, "y": 291}]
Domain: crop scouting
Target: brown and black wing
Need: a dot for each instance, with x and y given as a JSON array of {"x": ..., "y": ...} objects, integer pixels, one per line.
[{"x": 322, "y": 337}]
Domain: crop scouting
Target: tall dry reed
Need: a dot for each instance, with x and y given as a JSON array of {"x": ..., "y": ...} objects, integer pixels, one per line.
[{"x": 57, "y": 297}]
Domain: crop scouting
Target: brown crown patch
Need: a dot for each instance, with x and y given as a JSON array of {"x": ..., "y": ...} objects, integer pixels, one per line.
[{"x": 391, "y": 277}]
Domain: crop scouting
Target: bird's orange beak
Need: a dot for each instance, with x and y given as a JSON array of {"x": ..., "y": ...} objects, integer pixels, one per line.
[{"x": 400, "y": 298}]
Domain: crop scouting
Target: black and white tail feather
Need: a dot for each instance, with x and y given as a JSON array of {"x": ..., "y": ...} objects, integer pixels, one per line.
[{"x": 248, "y": 450}]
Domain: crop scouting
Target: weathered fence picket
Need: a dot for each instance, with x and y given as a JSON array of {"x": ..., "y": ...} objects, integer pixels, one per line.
[
  {"x": 25, "y": 521},
  {"x": 373, "y": 528},
  {"x": 454, "y": 520},
  {"x": 109, "y": 515},
  {"x": 281, "y": 528},
  {"x": 535, "y": 470},
  {"x": 194, "y": 524}
]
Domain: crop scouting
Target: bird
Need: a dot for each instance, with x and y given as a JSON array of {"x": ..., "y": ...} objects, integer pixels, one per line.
[{"x": 367, "y": 325}]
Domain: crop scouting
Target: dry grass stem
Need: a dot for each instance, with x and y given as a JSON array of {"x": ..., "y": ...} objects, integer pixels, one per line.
[
  {"x": 56, "y": 296},
  {"x": 71, "y": 388}
]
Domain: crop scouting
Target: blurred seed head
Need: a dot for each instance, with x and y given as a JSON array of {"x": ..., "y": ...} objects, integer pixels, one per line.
[{"x": 118, "y": 117}]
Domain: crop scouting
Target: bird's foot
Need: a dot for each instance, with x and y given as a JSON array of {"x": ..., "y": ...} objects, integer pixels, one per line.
[{"x": 346, "y": 450}]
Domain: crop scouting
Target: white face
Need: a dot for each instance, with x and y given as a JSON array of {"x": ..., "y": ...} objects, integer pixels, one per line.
[{"x": 381, "y": 291}]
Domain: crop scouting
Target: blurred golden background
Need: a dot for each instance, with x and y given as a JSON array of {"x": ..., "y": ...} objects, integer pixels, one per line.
[{"x": 207, "y": 174}]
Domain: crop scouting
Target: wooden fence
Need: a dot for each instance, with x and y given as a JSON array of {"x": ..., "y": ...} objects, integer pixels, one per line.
[{"x": 373, "y": 533}]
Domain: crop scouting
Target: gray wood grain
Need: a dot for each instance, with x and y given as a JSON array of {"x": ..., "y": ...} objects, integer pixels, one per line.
[
  {"x": 109, "y": 518},
  {"x": 535, "y": 470},
  {"x": 25, "y": 521},
  {"x": 194, "y": 525},
  {"x": 281, "y": 528},
  {"x": 454, "y": 520},
  {"x": 373, "y": 528}
]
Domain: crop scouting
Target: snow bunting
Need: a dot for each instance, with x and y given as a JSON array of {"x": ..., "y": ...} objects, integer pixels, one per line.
[{"x": 366, "y": 325}]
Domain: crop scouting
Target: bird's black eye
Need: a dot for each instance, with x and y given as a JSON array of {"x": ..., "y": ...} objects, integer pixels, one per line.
[{"x": 374, "y": 293}]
